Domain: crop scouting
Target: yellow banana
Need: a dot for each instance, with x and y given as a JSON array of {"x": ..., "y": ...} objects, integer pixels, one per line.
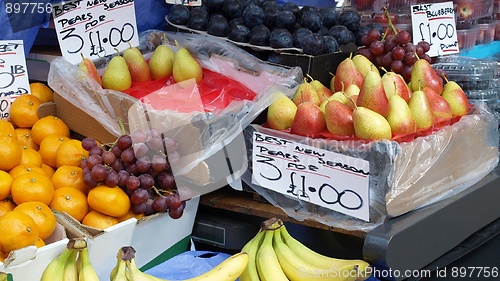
[
  {"x": 70, "y": 267},
  {"x": 134, "y": 274},
  {"x": 323, "y": 261},
  {"x": 267, "y": 262},
  {"x": 86, "y": 271},
  {"x": 4, "y": 276},
  {"x": 55, "y": 269},
  {"x": 298, "y": 269},
  {"x": 120, "y": 271},
  {"x": 228, "y": 270},
  {"x": 251, "y": 247}
]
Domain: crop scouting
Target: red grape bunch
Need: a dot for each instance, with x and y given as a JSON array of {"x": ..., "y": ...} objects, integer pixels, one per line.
[
  {"x": 393, "y": 50},
  {"x": 137, "y": 163}
]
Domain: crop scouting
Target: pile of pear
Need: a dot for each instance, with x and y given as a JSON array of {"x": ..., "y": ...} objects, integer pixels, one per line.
[
  {"x": 132, "y": 66},
  {"x": 368, "y": 103}
]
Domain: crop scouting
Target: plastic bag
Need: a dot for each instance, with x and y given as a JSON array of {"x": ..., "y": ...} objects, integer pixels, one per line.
[
  {"x": 199, "y": 134},
  {"x": 403, "y": 176}
]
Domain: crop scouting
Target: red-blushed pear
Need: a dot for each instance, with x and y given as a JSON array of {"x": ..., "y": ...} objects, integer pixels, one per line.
[
  {"x": 400, "y": 117},
  {"x": 372, "y": 94},
  {"x": 309, "y": 120},
  {"x": 456, "y": 97},
  {"x": 439, "y": 105},
  {"x": 322, "y": 91},
  {"x": 394, "y": 83},
  {"x": 421, "y": 110},
  {"x": 88, "y": 67},
  {"x": 281, "y": 112},
  {"x": 347, "y": 73},
  {"x": 332, "y": 82},
  {"x": 370, "y": 125},
  {"x": 139, "y": 68},
  {"x": 352, "y": 92},
  {"x": 422, "y": 71},
  {"x": 306, "y": 93},
  {"x": 338, "y": 118},
  {"x": 363, "y": 64}
]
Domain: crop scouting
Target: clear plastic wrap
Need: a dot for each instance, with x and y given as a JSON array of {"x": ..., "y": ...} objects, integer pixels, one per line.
[
  {"x": 403, "y": 176},
  {"x": 200, "y": 134}
]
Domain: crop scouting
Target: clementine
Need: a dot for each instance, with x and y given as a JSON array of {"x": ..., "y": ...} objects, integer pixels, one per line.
[
  {"x": 99, "y": 220},
  {"x": 111, "y": 201},
  {"x": 70, "y": 176},
  {"x": 25, "y": 169},
  {"x": 7, "y": 129},
  {"x": 5, "y": 184},
  {"x": 6, "y": 205},
  {"x": 24, "y": 110},
  {"x": 42, "y": 215},
  {"x": 18, "y": 230},
  {"x": 48, "y": 125},
  {"x": 70, "y": 153},
  {"x": 48, "y": 149},
  {"x": 23, "y": 136},
  {"x": 11, "y": 153},
  {"x": 49, "y": 171},
  {"x": 32, "y": 187},
  {"x": 43, "y": 92},
  {"x": 70, "y": 200},
  {"x": 30, "y": 157}
]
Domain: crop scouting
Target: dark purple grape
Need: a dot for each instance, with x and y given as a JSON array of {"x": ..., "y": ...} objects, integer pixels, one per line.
[
  {"x": 89, "y": 181},
  {"x": 139, "y": 208},
  {"x": 398, "y": 53},
  {"x": 83, "y": 163},
  {"x": 409, "y": 59},
  {"x": 169, "y": 144},
  {"x": 122, "y": 178},
  {"x": 177, "y": 213},
  {"x": 112, "y": 178},
  {"x": 410, "y": 48},
  {"x": 118, "y": 165},
  {"x": 365, "y": 52},
  {"x": 387, "y": 60},
  {"x": 93, "y": 160},
  {"x": 149, "y": 207},
  {"x": 174, "y": 157},
  {"x": 155, "y": 143},
  {"x": 132, "y": 183},
  {"x": 124, "y": 142},
  {"x": 99, "y": 172},
  {"x": 85, "y": 170},
  {"x": 377, "y": 48},
  {"x": 138, "y": 136},
  {"x": 96, "y": 150},
  {"x": 140, "y": 149},
  {"x": 365, "y": 40},
  {"x": 139, "y": 196},
  {"x": 403, "y": 37},
  {"x": 174, "y": 201},
  {"x": 160, "y": 204},
  {"x": 425, "y": 46},
  {"x": 427, "y": 58},
  {"x": 108, "y": 157},
  {"x": 143, "y": 164},
  {"x": 389, "y": 45},
  {"x": 419, "y": 51},
  {"x": 88, "y": 143},
  {"x": 397, "y": 66},
  {"x": 128, "y": 155},
  {"x": 373, "y": 35},
  {"x": 406, "y": 73},
  {"x": 131, "y": 168},
  {"x": 116, "y": 151},
  {"x": 159, "y": 163},
  {"x": 165, "y": 180},
  {"x": 147, "y": 181}
]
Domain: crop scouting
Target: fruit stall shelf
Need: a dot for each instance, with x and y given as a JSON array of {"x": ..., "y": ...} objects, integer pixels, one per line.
[{"x": 425, "y": 233}]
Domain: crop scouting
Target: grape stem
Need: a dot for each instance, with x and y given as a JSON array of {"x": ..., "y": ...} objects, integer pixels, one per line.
[{"x": 389, "y": 21}]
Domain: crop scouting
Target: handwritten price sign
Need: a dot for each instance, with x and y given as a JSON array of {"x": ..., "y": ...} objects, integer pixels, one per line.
[
  {"x": 14, "y": 79},
  {"x": 435, "y": 23},
  {"x": 94, "y": 28},
  {"x": 324, "y": 178}
]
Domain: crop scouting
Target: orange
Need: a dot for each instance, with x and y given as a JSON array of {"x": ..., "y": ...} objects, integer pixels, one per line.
[
  {"x": 2, "y": 257},
  {"x": 49, "y": 171},
  {"x": 11, "y": 153},
  {"x": 70, "y": 200},
  {"x": 42, "y": 92},
  {"x": 48, "y": 125},
  {"x": 23, "y": 136},
  {"x": 6, "y": 205},
  {"x": 70, "y": 176},
  {"x": 18, "y": 230},
  {"x": 5, "y": 184},
  {"x": 70, "y": 153},
  {"x": 130, "y": 214},
  {"x": 40, "y": 243},
  {"x": 111, "y": 201},
  {"x": 43, "y": 216},
  {"x": 24, "y": 111},
  {"x": 6, "y": 128},
  {"x": 30, "y": 157},
  {"x": 25, "y": 169},
  {"x": 99, "y": 220},
  {"x": 48, "y": 149},
  {"x": 32, "y": 187}
]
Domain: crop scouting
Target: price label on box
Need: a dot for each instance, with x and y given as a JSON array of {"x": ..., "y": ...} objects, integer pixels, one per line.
[
  {"x": 14, "y": 79},
  {"x": 435, "y": 23},
  {"x": 94, "y": 28},
  {"x": 321, "y": 177}
]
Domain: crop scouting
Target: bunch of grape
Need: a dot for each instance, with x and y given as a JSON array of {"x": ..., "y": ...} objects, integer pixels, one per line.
[
  {"x": 137, "y": 163},
  {"x": 394, "y": 52}
]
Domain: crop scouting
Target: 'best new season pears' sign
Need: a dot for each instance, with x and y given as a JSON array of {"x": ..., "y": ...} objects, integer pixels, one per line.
[
  {"x": 324, "y": 178},
  {"x": 94, "y": 28}
]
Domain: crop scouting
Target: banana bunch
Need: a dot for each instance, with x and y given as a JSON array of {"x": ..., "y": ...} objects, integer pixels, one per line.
[
  {"x": 275, "y": 255},
  {"x": 72, "y": 264},
  {"x": 126, "y": 268}
]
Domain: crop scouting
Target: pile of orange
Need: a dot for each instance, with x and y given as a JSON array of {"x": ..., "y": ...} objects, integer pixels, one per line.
[{"x": 40, "y": 172}]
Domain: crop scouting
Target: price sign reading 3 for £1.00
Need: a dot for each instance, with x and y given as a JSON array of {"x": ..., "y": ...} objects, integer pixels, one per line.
[
  {"x": 435, "y": 23},
  {"x": 94, "y": 28},
  {"x": 317, "y": 176}
]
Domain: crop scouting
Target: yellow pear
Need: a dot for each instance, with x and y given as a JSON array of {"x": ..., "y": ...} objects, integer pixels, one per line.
[{"x": 186, "y": 67}]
